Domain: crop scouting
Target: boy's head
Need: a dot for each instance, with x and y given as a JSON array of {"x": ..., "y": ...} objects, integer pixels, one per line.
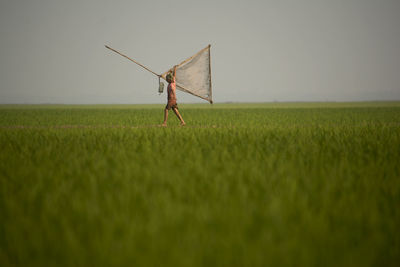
[{"x": 170, "y": 77}]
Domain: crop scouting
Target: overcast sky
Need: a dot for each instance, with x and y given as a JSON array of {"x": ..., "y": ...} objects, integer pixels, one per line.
[{"x": 52, "y": 51}]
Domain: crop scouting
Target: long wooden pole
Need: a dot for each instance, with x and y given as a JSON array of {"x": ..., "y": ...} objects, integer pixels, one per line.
[{"x": 134, "y": 61}]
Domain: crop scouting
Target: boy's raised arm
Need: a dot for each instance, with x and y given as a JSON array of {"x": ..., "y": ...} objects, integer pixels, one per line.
[{"x": 174, "y": 71}]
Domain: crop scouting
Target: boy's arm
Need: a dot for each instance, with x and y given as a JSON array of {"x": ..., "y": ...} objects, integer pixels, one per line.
[{"x": 174, "y": 71}]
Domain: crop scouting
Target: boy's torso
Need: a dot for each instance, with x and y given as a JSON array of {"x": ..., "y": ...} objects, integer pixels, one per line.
[{"x": 171, "y": 92}]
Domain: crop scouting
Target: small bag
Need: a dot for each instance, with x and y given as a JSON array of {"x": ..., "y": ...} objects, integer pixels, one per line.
[{"x": 160, "y": 86}]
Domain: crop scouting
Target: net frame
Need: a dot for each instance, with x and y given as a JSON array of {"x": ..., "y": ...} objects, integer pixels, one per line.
[
  {"x": 187, "y": 90},
  {"x": 180, "y": 87}
]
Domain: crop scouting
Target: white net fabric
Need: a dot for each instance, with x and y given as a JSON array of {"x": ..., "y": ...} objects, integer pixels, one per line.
[{"x": 194, "y": 75}]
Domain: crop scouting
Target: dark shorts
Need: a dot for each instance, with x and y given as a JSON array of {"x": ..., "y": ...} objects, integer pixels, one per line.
[{"x": 171, "y": 105}]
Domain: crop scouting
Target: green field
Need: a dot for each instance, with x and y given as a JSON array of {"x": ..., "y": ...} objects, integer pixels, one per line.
[{"x": 278, "y": 184}]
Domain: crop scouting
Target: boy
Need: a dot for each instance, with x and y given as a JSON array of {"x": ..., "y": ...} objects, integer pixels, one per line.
[{"x": 172, "y": 98}]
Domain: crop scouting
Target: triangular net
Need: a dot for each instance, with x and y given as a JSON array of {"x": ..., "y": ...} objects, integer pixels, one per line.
[{"x": 194, "y": 75}]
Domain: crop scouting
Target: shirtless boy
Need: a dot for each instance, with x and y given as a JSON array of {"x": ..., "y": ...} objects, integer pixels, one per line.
[{"x": 172, "y": 98}]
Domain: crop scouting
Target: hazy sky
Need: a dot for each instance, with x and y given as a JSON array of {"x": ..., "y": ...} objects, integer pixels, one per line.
[{"x": 52, "y": 51}]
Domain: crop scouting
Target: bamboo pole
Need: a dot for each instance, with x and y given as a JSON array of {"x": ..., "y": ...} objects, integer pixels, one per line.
[
  {"x": 134, "y": 61},
  {"x": 180, "y": 87}
]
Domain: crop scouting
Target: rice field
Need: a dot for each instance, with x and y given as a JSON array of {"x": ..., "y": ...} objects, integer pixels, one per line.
[{"x": 267, "y": 184}]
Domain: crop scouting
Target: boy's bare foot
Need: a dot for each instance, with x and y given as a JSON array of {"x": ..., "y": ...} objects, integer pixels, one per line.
[
  {"x": 183, "y": 124},
  {"x": 164, "y": 125}
]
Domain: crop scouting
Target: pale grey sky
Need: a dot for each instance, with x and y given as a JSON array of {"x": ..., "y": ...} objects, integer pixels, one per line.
[{"x": 52, "y": 51}]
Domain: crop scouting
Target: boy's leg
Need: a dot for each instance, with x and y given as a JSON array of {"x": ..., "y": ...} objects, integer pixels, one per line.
[
  {"x": 165, "y": 117},
  {"x": 179, "y": 116}
]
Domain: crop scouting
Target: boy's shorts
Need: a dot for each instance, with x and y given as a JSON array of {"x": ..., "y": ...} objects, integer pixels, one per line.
[{"x": 171, "y": 105}]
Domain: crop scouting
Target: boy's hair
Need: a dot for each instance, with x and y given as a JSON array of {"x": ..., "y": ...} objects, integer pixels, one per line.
[{"x": 169, "y": 77}]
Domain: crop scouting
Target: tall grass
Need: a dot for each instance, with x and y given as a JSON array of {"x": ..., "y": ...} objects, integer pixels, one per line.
[{"x": 242, "y": 185}]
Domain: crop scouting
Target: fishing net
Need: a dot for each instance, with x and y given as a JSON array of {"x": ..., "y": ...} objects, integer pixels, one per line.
[{"x": 193, "y": 75}]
